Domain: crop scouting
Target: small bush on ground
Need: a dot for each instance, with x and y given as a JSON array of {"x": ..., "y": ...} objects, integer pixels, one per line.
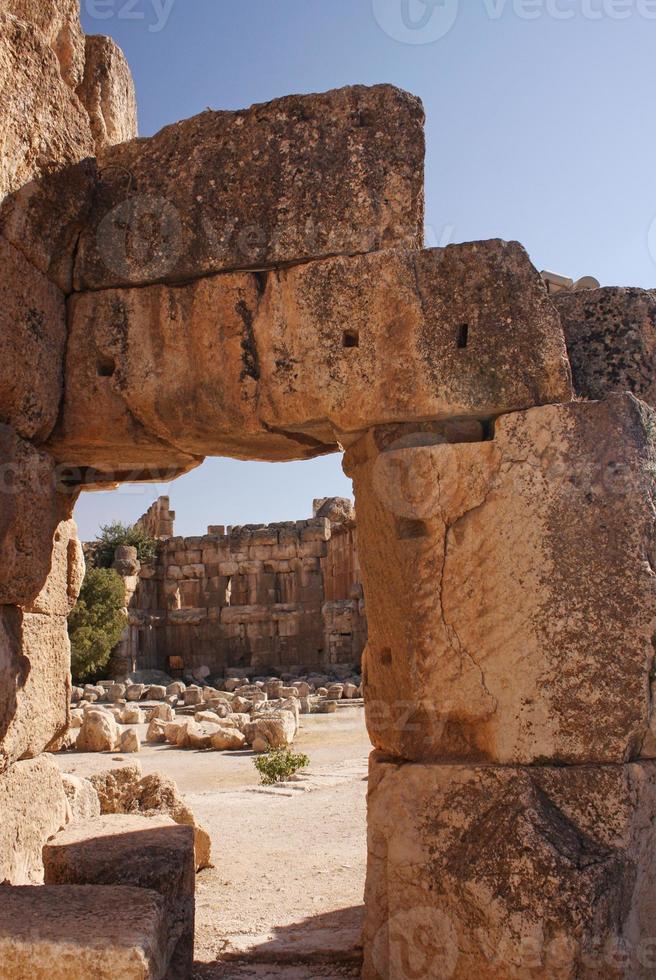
[
  {"x": 115, "y": 534},
  {"x": 96, "y": 623},
  {"x": 276, "y": 765}
]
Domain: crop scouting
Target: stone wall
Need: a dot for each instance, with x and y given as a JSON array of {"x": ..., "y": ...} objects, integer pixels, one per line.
[{"x": 266, "y": 596}]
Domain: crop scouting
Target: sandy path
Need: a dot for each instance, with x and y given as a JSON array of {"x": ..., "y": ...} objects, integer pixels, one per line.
[{"x": 284, "y": 899}]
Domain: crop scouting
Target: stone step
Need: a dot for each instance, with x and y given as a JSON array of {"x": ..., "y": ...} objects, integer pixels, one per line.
[
  {"x": 132, "y": 850},
  {"x": 73, "y": 932}
]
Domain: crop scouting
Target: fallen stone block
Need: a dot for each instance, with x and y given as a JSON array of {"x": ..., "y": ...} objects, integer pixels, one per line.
[
  {"x": 33, "y": 807},
  {"x": 82, "y": 797},
  {"x": 228, "y": 739},
  {"x": 271, "y": 731},
  {"x": 337, "y": 172},
  {"x": 498, "y": 576},
  {"x": 150, "y": 853},
  {"x": 117, "y": 787},
  {"x": 510, "y": 872},
  {"x": 73, "y": 932},
  {"x": 99, "y": 732},
  {"x": 129, "y": 741}
]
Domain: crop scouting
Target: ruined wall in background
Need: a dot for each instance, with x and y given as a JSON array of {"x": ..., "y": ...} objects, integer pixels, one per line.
[{"x": 265, "y": 596}]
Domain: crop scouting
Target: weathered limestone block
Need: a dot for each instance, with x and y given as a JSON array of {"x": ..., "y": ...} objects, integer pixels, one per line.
[
  {"x": 33, "y": 806},
  {"x": 338, "y": 172},
  {"x": 510, "y": 872},
  {"x": 99, "y": 732},
  {"x": 322, "y": 349},
  {"x": 127, "y": 790},
  {"x": 59, "y": 24},
  {"x": 32, "y": 341},
  {"x": 498, "y": 577},
  {"x": 73, "y": 932},
  {"x": 35, "y": 683},
  {"x": 82, "y": 797},
  {"x": 31, "y": 510},
  {"x": 107, "y": 93},
  {"x": 49, "y": 192},
  {"x": 611, "y": 340},
  {"x": 142, "y": 852}
]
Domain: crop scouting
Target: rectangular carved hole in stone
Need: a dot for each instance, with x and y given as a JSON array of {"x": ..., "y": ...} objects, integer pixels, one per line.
[
  {"x": 462, "y": 336},
  {"x": 408, "y": 528},
  {"x": 351, "y": 339},
  {"x": 105, "y": 366}
]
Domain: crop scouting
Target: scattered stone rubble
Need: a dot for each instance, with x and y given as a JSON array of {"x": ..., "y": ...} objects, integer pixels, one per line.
[
  {"x": 253, "y": 284},
  {"x": 234, "y": 715}
]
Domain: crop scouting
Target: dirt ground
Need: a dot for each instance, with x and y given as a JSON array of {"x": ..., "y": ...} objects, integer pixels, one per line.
[{"x": 284, "y": 898}]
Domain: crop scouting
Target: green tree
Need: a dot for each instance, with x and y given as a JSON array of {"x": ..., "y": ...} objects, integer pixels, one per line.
[
  {"x": 115, "y": 534},
  {"x": 96, "y": 623}
]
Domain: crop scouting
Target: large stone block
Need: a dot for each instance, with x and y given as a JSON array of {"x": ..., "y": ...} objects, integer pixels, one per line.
[
  {"x": 328, "y": 349},
  {"x": 32, "y": 342},
  {"x": 611, "y": 340},
  {"x": 143, "y": 852},
  {"x": 290, "y": 180},
  {"x": 510, "y": 872},
  {"x": 499, "y": 577},
  {"x": 33, "y": 807},
  {"x": 73, "y": 932},
  {"x": 35, "y": 683},
  {"x": 67, "y": 568},
  {"x": 107, "y": 93},
  {"x": 44, "y": 133}
]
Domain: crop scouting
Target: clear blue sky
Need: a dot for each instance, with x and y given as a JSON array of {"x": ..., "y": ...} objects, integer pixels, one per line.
[{"x": 538, "y": 128}]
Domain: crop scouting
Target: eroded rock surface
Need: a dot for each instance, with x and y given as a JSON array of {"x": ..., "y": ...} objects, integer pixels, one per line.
[
  {"x": 107, "y": 93},
  {"x": 611, "y": 340},
  {"x": 510, "y": 872},
  {"x": 498, "y": 576}
]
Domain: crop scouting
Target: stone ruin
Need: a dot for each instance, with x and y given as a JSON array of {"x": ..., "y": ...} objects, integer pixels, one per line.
[
  {"x": 253, "y": 284},
  {"x": 255, "y": 598}
]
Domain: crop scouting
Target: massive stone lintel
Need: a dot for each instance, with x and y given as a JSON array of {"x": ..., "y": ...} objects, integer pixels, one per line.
[
  {"x": 282, "y": 366},
  {"x": 611, "y": 340},
  {"x": 493, "y": 872},
  {"x": 286, "y": 181},
  {"x": 510, "y": 585}
]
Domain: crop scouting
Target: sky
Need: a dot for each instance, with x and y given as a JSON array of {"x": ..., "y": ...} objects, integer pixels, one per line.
[{"x": 537, "y": 128}]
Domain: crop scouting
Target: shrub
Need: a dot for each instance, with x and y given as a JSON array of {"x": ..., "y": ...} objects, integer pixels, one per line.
[
  {"x": 276, "y": 765},
  {"x": 96, "y": 623},
  {"x": 113, "y": 535}
]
